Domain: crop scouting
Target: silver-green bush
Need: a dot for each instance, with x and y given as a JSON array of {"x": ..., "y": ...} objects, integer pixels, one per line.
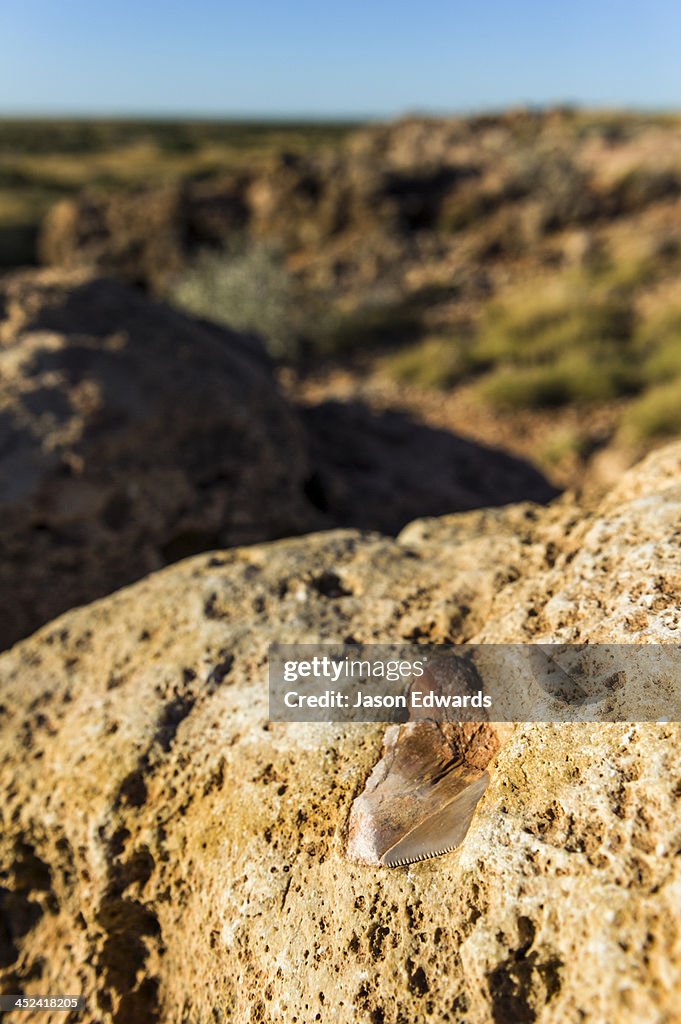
[{"x": 250, "y": 291}]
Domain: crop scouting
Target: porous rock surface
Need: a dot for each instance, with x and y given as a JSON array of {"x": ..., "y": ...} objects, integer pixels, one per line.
[
  {"x": 130, "y": 435},
  {"x": 171, "y": 855}
]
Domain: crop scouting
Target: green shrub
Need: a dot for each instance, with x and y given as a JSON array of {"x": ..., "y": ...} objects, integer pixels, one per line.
[
  {"x": 434, "y": 362},
  {"x": 664, "y": 362},
  {"x": 641, "y": 186},
  {"x": 556, "y": 182},
  {"x": 252, "y": 291},
  {"x": 370, "y": 326},
  {"x": 567, "y": 340},
  {"x": 658, "y": 345},
  {"x": 616, "y": 276},
  {"x": 656, "y": 414},
  {"x": 564, "y": 444},
  {"x": 541, "y": 323},
  {"x": 466, "y": 205},
  {"x": 575, "y": 377}
]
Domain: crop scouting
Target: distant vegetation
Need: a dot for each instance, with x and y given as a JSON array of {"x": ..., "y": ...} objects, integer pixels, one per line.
[
  {"x": 573, "y": 339},
  {"x": 532, "y": 258},
  {"x": 42, "y": 161},
  {"x": 249, "y": 287},
  {"x": 76, "y": 136}
]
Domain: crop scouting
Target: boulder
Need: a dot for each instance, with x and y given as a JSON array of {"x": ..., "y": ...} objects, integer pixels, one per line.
[
  {"x": 616, "y": 578},
  {"x": 170, "y": 854},
  {"x": 131, "y": 436}
]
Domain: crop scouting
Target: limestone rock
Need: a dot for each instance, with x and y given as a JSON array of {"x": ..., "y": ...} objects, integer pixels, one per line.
[
  {"x": 616, "y": 578},
  {"x": 131, "y": 436},
  {"x": 173, "y": 856}
]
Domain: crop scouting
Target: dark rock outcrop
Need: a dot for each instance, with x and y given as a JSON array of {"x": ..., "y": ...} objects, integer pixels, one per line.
[{"x": 131, "y": 436}]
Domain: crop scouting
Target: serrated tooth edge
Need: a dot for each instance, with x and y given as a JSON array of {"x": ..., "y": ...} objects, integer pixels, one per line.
[{"x": 417, "y": 860}]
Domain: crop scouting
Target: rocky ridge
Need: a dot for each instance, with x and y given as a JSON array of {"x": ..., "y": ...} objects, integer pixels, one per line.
[{"x": 419, "y": 202}]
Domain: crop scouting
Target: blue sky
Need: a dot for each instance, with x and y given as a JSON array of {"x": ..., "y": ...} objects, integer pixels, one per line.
[{"x": 367, "y": 57}]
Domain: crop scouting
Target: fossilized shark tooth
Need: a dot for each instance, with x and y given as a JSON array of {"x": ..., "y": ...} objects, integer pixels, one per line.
[{"x": 420, "y": 798}]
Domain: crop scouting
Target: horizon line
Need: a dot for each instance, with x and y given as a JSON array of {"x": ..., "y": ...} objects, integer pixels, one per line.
[{"x": 347, "y": 117}]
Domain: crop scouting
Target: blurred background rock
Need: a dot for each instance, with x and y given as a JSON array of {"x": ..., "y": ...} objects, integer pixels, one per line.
[{"x": 511, "y": 276}]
